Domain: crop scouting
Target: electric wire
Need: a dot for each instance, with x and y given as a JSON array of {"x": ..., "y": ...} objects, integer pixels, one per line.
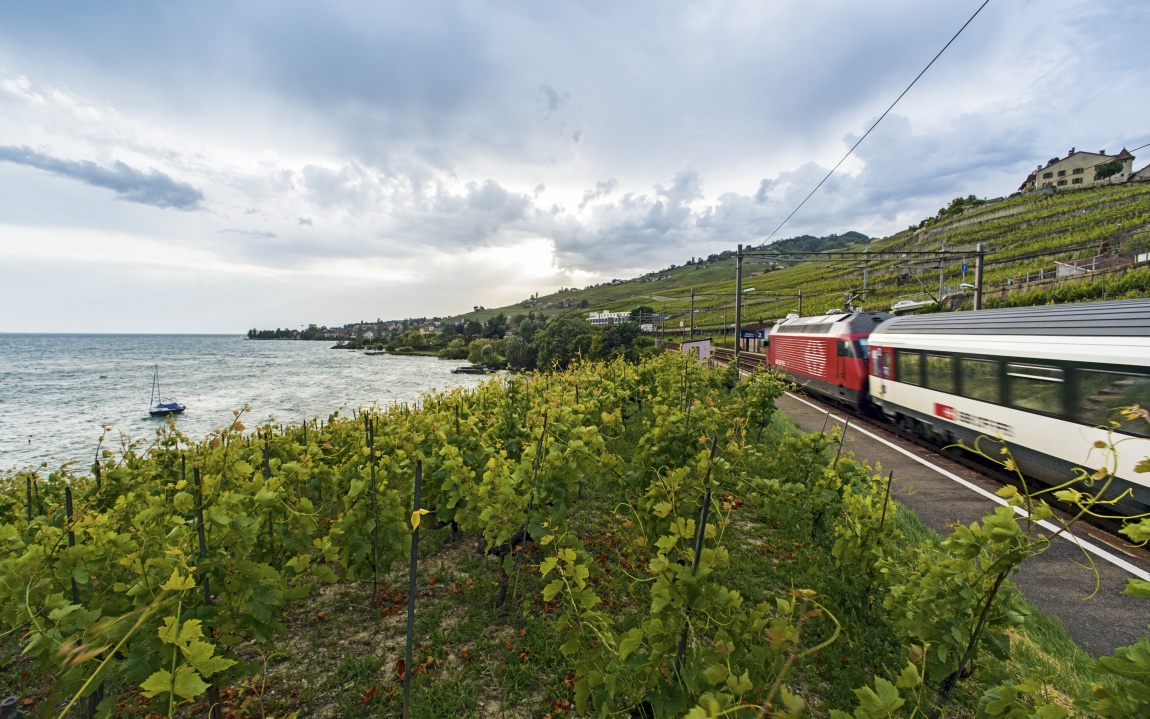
[{"x": 880, "y": 119}]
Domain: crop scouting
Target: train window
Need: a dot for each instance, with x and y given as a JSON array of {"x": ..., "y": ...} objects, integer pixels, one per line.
[
  {"x": 1035, "y": 387},
  {"x": 887, "y": 365},
  {"x": 980, "y": 379},
  {"x": 1102, "y": 394},
  {"x": 940, "y": 373},
  {"x": 909, "y": 367},
  {"x": 844, "y": 348}
]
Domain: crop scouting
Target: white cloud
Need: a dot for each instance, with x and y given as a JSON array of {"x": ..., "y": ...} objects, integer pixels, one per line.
[{"x": 517, "y": 148}]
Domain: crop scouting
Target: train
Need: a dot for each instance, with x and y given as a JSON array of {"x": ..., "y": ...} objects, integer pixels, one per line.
[{"x": 1055, "y": 383}]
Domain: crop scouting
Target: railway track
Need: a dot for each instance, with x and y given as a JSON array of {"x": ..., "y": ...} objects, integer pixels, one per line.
[{"x": 749, "y": 362}]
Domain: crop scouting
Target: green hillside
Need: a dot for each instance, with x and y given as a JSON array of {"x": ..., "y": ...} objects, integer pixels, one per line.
[{"x": 1023, "y": 234}]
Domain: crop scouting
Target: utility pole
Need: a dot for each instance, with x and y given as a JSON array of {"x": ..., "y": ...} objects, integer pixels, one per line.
[
  {"x": 692, "y": 336},
  {"x": 941, "y": 268},
  {"x": 800, "y": 302},
  {"x": 978, "y": 277},
  {"x": 866, "y": 261},
  {"x": 738, "y": 301}
]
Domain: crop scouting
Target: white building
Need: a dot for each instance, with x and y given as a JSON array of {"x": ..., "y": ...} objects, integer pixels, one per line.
[{"x": 605, "y": 318}]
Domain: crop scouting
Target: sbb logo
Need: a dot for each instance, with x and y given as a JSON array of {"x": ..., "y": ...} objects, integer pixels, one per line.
[{"x": 942, "y": 410}]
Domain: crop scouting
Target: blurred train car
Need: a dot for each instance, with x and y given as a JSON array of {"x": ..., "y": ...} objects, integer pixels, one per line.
[
  {"x": 826, "y": 354},
  {"x": 1048, "y": 381}
]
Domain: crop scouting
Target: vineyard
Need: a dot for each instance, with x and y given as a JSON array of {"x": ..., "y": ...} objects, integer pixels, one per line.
[{"x": 642, "y": 540}]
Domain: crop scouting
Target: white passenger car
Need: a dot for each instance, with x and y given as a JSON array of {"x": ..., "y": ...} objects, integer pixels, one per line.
[{"x": 1046, "y": 380}]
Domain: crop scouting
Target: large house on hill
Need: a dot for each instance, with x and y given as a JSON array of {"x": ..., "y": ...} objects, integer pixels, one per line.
[{"x": 1080, "y": 169}]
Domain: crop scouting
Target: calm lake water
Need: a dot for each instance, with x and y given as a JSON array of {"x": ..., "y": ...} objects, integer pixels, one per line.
[{"x": 56, "y": 391}]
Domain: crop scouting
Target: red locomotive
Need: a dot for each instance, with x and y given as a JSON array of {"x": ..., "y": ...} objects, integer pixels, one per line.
[{"x": 826, "y": 353}]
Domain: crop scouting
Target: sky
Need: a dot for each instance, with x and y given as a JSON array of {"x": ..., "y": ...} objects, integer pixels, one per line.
[{"x": 216, "y": 166}]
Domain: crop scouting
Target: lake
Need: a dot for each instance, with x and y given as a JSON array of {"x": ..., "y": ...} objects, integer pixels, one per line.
[{"x": 57, "y": 391}]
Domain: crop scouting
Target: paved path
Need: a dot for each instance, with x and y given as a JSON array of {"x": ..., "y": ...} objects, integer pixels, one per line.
[{"x": 1054, "y": 582}]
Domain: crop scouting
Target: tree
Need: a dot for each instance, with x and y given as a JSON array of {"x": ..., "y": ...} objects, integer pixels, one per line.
[
  {"x": 615, "y": 341},
  {"x": 637, "y": 314},
  {"x": 414, "y": 339},
  {"x": 1107, "y": 169},
  {"x": 456, "y": 349},
  {"x": 520, "y": 354},
  {"x": 565, "y": 338},
  {"x": 472, "y": 329},
  {"x": 495, "y": 327},
  {"x": 476, "y": 352}
]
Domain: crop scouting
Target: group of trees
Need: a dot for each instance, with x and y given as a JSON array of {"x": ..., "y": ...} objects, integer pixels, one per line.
[
  {"x": 530, "y": 341},
  {"x": 521, "y": 342},
  {"x": 313, "y": 332}
]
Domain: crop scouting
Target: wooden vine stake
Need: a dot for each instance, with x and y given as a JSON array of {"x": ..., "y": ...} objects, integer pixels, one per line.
[
  {"x": 885, "y": 502},
  {"x": 815, "y": 455},
  {"x": 700, "y": 534},
  {"x": 369, "y": 429},
  {"x": 415, "y": 514},
  {"x": 527, "y": 514},
  {"x": 842, "y": 439},
  {"x": 71, "y": 540},
  {"x": 215, "y": 708}
]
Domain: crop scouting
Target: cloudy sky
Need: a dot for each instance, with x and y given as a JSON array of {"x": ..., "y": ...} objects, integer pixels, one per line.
[{"x": 214, "y": 166}]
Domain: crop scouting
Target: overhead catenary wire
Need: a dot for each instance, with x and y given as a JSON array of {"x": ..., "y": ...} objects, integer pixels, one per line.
[{"x": 876, "y": 122}]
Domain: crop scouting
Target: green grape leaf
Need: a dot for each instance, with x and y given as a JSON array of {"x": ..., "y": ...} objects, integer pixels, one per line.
[
  {"x": 1051, "y": 711},
  {"x": 547, "y": 565},
  {"x": 1137, "y": 588},
  {"x": 909, "y": 679},
  {"x": 184, "y": 501},
  {"x": 176, "y": 583},
  {"x": 880, "y": 701},
  {"x": 1139, "y": 532},
  {"x": 188, "y": 683},
  {"x": 323, "y": 573},
  {"x": 159, "y": 683},
  {"x": 715, "y": 673},
  {"x": 169, "y": 633},
  {"x": 552, "y": 589},
  {"x": 201, "y": 655},
  {"x": 632, "y": 640}
]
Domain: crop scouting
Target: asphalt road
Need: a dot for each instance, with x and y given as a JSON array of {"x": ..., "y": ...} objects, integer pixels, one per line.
[{"x": 1055, "y": 582}]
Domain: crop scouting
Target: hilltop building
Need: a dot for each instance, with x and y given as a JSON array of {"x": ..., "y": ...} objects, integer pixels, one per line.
[{"x": 1078, "y": 170}]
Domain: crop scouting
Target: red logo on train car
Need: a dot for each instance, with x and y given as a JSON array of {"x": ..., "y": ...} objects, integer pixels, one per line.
[{"x": 941, "y": 410}]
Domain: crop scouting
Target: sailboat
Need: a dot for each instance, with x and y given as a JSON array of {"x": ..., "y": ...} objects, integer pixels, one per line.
[{"x": 157, "y": 407}]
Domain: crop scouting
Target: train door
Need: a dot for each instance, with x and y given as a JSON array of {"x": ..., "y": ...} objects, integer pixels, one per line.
[
  {"x": 882, "y": 366},
  {"x": 843, "y": 352}
]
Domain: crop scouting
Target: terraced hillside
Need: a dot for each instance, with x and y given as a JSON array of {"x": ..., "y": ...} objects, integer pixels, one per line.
[{"x": 1023, "y": 235}]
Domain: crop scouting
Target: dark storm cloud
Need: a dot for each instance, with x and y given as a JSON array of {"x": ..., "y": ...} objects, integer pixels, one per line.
[{"x": 147, "y": 188}]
